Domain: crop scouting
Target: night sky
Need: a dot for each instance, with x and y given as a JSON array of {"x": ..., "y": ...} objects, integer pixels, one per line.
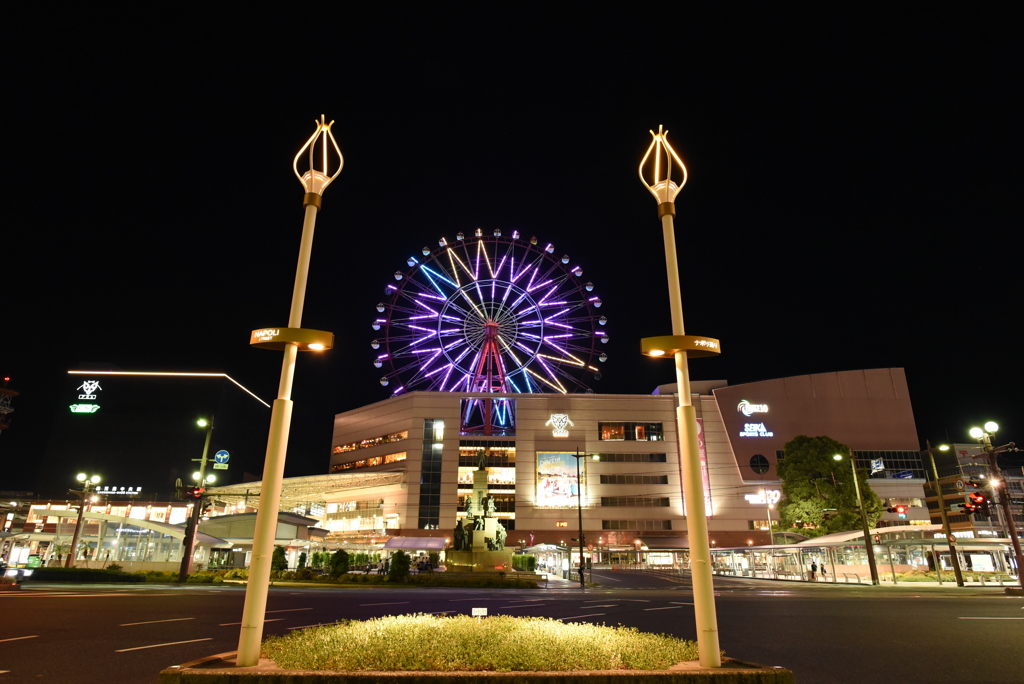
[{"x": 853, "y": 199}]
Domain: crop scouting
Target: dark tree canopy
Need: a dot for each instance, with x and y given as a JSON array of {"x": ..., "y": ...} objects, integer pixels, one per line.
[{"x": 818, "y": 491}]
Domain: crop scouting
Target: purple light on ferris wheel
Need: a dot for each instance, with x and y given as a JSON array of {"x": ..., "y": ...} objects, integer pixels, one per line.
[
  {"x": 545, "y": 366},
  {"x": 559, "y": 325},
  {"x": 538, "y": 286}
]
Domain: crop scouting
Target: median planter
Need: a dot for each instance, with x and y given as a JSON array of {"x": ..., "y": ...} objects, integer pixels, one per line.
[
  {"x": 501, "y": 649},
  {"x": 220, "y": 669}
]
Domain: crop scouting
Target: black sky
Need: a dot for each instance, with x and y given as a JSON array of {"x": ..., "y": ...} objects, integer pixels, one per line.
[{"x": 853, "y": 198}]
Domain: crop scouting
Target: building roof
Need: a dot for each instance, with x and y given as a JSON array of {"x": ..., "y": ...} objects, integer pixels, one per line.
[{"x": 303, "y": 492}]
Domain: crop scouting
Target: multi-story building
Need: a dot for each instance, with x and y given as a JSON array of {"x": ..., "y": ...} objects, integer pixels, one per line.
[{"x": 403, "y": 466}]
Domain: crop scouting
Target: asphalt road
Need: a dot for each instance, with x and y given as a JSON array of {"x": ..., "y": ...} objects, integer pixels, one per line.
[{"x": 824, "y": 633}]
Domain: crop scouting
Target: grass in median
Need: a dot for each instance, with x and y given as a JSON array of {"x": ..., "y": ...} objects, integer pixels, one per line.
[{"x": 461, "y": 643}]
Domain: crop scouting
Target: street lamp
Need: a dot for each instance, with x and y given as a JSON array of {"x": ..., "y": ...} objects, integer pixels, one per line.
[
  {"x": 985, "y": 437},
  {"x": 680, "y": 346},
  {"x": 579, "y": 509},
  {"x": 868, "y": 546},
  {"x": 290, "y": 340},
  {"x": 940, "y": 500},
  {"x": 87, "y": 481},
  {"x": 768, "y": 510},
  {"x": 201, "y": 478}
]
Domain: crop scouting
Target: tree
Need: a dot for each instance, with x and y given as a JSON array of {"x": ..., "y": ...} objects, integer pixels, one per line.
[
  {"x": 398, "y": 571},
  {"x": 818, "y": 492},
  {"x": 302, "y": 560},
  {"x": 339, "y": 563},
  {"x": 278, "y": 562}
]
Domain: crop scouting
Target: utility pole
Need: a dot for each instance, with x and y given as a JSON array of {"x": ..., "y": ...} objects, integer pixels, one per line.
[
  {"x": 189, "y": 542},
  {"x": 954, "y": 559}
]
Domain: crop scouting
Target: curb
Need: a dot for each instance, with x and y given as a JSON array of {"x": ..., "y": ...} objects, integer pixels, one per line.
[{"x": 219, "y": 669}]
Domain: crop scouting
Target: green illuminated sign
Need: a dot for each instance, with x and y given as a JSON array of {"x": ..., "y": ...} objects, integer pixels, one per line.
[{"x": 84, "y": 408}]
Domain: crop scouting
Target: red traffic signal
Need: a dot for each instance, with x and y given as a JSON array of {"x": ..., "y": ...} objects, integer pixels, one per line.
[
  {"x": 900, "y": 510},
  {"x": 197, "y": 493}
]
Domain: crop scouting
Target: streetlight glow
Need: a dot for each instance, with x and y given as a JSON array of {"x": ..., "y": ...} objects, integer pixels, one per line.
[
  {"x": 81, "y": 477},
  {"x": 201, "y": 422},
  {"x": 94, "y": 479},
  {"x": 991, "y": 426},
  {"x": 976, "y": 433},
  {"x": 196, "y": 475}
]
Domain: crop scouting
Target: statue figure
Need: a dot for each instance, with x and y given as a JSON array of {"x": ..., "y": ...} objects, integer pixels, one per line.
[
  {"x": 499, "y": 534},
  {"x": 470, "y": 507},
  {"x": 460, "y": 537},
  {"x": 481, "y": 459},
  {"x": 489, "y": 506},
  {"x": 478, "y": 524}
]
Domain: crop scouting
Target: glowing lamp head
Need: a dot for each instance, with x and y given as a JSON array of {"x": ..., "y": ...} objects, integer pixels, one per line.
[
  {"x": 991, "y": 427},
  {"x": 976, "y": 433},
  {"x": 211, "y": 478},
  {"x": 80, "y": 477},
  {"x": 202, "y": 422},
  {"x": 316, "y": 180},
  {"x": 195, "y": 475},
  {"x": 665, "y": 164},
  {"x": 657, "y": 352},
  {"x": 837, "y": 457},
  {"x": 95, "y": 479},
  {"x": 943, "y": 447},
  {"x": 316, "y": 346}
]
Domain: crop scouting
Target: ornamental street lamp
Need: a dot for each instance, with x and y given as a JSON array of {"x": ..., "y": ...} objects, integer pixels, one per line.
[
  {"x": 985, "y": 437},
  {"x": 868, "y": 545},
  {"x": 950, "y": 539},
  {"x": 201, "y": 478},
  {"x": 290, "y": 340},
  {"x": 667, "y": 163},
  {"x": 83, "y": 494}
]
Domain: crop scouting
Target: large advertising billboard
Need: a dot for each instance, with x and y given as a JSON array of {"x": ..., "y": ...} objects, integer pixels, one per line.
[{"x": 557, "y": 486}]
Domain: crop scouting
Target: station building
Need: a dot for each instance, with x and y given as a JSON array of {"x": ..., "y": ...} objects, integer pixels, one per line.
[{"x": 402, "y": 467}]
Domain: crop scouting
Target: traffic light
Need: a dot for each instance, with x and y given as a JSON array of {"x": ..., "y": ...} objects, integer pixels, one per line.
[
  {"x": 977, "y": 503},
  {"x": 900, "y": 510},
  {"x": 969, "y": 506},
  {"x": 197, "y": 492}
]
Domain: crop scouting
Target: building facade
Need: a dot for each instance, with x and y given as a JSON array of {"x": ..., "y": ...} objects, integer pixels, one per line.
[{"x": 428, "y": 443}]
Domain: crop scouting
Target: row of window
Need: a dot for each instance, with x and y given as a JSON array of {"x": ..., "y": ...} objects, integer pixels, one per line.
[
  {"x": 634, "y": 501},
  {"x": 630, "y": 431},
  {"x": 367, "y": 462},
  {"x": 372, "y": 442},
  {"x": 634, "y": 479},
  {"x": 631, "y": 458},
  {"x": 636, "y": 524}
]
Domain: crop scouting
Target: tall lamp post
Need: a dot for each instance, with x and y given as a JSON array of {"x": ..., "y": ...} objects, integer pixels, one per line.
[
  {"x": 953, "y": 558},
  {"x": 83, "y": 493},
  {"x": 666, "y": 163},
  {"x": 579, "y": 509},
  {"x": 985, "y": 437},
  {"x": 201, "y": 478},
  {"x": 868, "y": 542},
  {"x": 290, "y": 340}
]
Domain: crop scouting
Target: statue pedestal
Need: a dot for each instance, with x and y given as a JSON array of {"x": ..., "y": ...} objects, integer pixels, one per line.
[{"x": 477, "y": 557}]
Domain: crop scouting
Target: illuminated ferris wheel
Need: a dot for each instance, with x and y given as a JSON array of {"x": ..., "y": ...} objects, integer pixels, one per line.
[{"x": 489, "y": 313}]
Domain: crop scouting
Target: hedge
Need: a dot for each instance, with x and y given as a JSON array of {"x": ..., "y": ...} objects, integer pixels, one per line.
[{"x": 82, "y": 575}]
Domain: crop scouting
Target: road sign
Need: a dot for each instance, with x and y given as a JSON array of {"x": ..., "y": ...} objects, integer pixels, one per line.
[
  {"x": 221, "y": 456},
  {"x": 952, "y": 539},
  {"x": 959, "y": 485},
  {"x": 956, "y": 508},
  {"x": 479, "y": 612},
  {"x": 220, "y": 466}
]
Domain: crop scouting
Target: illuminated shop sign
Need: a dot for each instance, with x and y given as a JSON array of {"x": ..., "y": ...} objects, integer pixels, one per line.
[
  {"x": 764, "y": 497},
  {"x": 559, "y": 421},
  {"x": 265, "y": 335},
  {"x": 89, "y": 388},
  {"x": 748, "y": 409},
  {"x": 755, "y": 430},
  {"x": 84, "y": 408},
  {"x": 124, "y": 491}
]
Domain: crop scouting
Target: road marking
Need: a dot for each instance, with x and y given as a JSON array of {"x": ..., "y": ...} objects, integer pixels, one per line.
[
  {"x": 606, "y": 578},
  {"x": 440, "y": 612},
  {"x": 577, "y": 617},
  {"x": 286, "y": 610},
  {"x": 990, "y": 618},
  {"x": 397, "y": 603},
  {"x": 680, "y": 603},
  {"x": 481, "y": 599},
  {"x": 533, "y": 605},
  {"x": 170, "y": 643},
  {"x": 663, "y": 608},
  {"x": 637, "y": 600},
  {"x": 34, "y": 636},
  {"x": 228, "y": 624},
  {"x": 153, "y": 622}
]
